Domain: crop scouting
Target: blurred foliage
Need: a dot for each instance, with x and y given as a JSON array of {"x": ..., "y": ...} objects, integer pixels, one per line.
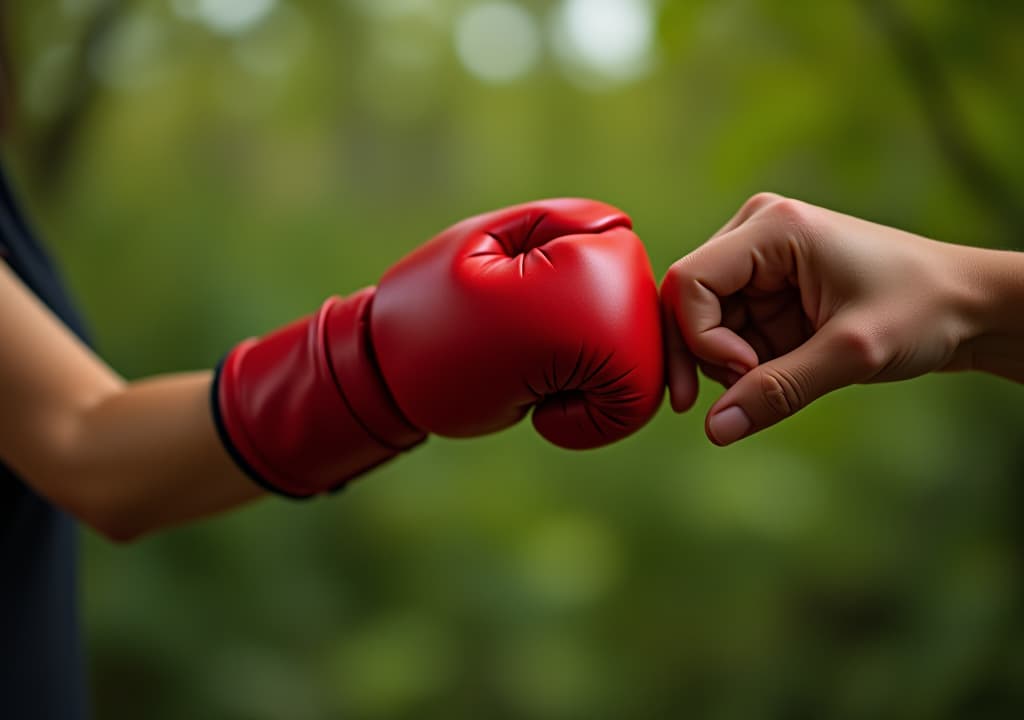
[{"x": 207, "y": 169}]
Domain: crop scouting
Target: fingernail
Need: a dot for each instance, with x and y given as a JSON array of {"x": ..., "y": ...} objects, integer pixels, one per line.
[{"x": 729, "y": 425}]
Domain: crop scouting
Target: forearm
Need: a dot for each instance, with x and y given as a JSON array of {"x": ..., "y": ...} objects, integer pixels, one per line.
[
  {"x": 144, "y": 456},
  {"x": 148, "y": 457},
  {"x": 995, "y": 300}
]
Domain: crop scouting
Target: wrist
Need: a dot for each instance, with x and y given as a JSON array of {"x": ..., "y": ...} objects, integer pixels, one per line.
[{"x": 990, "y": 301}]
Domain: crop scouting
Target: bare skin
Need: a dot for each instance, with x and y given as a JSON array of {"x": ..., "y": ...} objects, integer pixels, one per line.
[
  {"x": 125, "y": 458},
  {"x": 789, "y": 301}
]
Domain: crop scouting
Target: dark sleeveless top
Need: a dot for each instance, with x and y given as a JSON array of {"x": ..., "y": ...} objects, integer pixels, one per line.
[{"x": 41, "y": 668}]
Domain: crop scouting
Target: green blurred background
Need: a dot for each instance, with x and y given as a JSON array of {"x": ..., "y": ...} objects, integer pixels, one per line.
[{"x": 208, "y": 169}]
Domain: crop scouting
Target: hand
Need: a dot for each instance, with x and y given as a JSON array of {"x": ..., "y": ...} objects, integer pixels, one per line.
[
  {"x": 550, "y": 306},
  {"x": 789, "y": 301}
]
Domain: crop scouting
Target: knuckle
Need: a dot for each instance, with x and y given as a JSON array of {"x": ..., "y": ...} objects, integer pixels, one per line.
[
  {"x": 863, "y": 349},
  {"x": 782, "y": 391},
  {"x": 788, "y": 211},
  {"x": 679, "y": 273},
  {"x": 796, "y": 220},
  {"x": 761, "y": 200}
]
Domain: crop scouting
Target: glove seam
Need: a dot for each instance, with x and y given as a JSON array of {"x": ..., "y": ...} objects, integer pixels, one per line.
[{"x": 371, "y": 358}]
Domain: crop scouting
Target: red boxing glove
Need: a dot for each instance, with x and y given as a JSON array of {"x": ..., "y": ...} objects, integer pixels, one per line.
[{"x": 550, "y": 305}]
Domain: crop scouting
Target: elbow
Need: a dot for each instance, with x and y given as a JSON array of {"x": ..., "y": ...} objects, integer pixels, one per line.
[
  {"x": 114, "y": 518},
  {"x": 76, "y": 467},
  {"x": 115, "y": 528},
  {"x": 100, "y": 506},
  {"x": 117, "y": 519},
  {"x": 109, "y": 516},
  {"x": 105, "y": 501}
]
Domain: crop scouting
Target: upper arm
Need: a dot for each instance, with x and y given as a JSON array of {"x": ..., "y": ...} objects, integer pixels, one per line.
[{"x": 48, "y": 380}]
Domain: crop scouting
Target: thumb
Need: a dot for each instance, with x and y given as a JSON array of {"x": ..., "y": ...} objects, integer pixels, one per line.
[{"x": 837, "y": 355}]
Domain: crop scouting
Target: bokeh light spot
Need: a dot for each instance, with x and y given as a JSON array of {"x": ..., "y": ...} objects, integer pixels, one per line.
[
  {"x": 497, "y": 42},
  {"x": 608, "y": 38},
  {"x": 232, "y": 16}
]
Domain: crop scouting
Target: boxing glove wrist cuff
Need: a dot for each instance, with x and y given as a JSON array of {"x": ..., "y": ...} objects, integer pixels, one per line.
[
  {"x": 229, "y": 445},
  {"x": 304, "y": 410}
]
